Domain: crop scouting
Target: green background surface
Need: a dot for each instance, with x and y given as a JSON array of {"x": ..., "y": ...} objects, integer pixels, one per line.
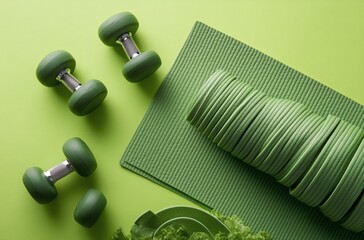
[{"x": 324, "y": 40}]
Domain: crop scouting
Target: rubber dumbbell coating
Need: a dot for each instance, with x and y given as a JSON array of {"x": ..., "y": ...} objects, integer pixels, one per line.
[
  {"x": 141, "y": 66},
  {"x": 38, "y": 185},
  {"x": 90, "y": 208},
  {"x": 115, "y": 26},
  {"x": 52, "y": 64},
  {"x": 80, "y": 156},
  {"x": 87, "y": 98}
]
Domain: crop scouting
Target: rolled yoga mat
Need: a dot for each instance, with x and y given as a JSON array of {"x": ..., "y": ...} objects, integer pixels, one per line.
[
  {"x": 169, "y": 151},
  {"x": 320, "y": 159}
]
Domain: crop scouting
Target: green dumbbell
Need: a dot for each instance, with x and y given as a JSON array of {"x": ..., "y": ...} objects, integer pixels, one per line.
[
  {"x": 57, "y": 67},
  {"x": 90, "y": 207},
  {"x": 40, "y": 184},
  {"x": 119, "y": 29}
]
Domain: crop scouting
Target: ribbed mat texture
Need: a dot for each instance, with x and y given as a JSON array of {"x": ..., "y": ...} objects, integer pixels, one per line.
[{"x": 168, "y": 150}]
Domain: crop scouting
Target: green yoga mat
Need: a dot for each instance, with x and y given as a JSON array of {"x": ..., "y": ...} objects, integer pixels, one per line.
[{"x": 168, "y": 150}]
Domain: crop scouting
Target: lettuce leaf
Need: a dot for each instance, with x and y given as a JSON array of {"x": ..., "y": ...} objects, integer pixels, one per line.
[{"x": 238, "y": 231}]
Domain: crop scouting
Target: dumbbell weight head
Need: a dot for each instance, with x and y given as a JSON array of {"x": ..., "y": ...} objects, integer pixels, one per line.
[
  {"x": 51, "y": 65},
  {"x": 39, "y": 187},
  {"x": 90, "y": 208},
  {"x": 80, "y": 156},
  {"x": 119, "y": 29},
  {"x": 142, "y": 66},
  {"x": 57, "y": 67},
  {"x": 114, "y": 27},
  {"x": 87, "y": 98},
  {"x": 40, "y": 184}
]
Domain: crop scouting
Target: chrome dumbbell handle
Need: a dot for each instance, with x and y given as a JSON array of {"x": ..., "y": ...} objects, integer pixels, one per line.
[
  {"x": 68, "y": 80},
  {"x": 59, "y": 171},
  {"x": 129, "y": 46}
]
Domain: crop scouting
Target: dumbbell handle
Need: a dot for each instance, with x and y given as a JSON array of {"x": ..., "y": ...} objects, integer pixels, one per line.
[
  {"x": 68, "y": 80},
  {"x": 59, "y": 171},
  {"x": 129, "y": 46}
]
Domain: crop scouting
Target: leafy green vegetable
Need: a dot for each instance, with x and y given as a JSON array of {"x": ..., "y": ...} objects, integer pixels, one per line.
[
  {"x": 119, "y": 235},
  {"x": 238, "y": 231},
  {"x": 180, "y": 233}
]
